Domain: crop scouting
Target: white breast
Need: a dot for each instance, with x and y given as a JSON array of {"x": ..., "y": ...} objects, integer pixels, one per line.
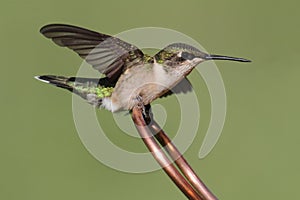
[{"x": 148, "y": 80}]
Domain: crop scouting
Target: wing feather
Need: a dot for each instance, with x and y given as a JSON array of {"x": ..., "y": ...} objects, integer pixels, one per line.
[
  {"x": 184, "y": 86},
  {"x": 109, "y": 55}
]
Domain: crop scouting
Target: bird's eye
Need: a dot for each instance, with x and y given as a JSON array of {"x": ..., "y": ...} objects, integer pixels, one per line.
[{"x": 187, "y": 56}]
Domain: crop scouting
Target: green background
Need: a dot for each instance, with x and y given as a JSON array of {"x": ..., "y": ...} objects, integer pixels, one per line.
[{"x": 257, "y": 156}]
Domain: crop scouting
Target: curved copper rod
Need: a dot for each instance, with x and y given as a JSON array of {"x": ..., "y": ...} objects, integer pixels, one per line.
[
  {"x": 161, "y": 158},
  {"x": 182, "y": 164}
]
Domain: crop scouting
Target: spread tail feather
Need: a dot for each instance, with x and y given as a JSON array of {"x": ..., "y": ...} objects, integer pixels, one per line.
[
  {"x": 91, "y": 89},
  {"x": 59, "y": 81}
]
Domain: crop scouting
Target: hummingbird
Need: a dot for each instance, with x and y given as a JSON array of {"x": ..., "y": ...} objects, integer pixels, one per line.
[{"x": 131, "y": 77}]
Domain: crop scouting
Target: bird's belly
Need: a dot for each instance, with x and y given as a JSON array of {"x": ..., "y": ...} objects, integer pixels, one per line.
[
  {"x": 140, "y": 85},
  {"x": 127, "y": 96}
]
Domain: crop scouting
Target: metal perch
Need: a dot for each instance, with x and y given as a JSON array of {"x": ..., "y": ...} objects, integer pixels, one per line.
[{"x": 190, "y": 184}]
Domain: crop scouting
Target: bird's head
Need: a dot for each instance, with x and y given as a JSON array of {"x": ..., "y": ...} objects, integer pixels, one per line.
[{"x": 185, "y": 57}]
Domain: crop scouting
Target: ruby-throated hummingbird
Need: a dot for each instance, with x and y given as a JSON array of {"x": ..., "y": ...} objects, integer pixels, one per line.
[{"x": 131, "y": 77}]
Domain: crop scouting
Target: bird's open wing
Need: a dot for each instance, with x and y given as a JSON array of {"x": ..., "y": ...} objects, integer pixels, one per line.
[
  {"x": 109, "y": 55},
  {"x": 184, "y": 86}
]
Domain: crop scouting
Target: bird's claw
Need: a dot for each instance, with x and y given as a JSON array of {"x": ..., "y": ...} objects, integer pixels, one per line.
[{"x": 143, "y": 108}]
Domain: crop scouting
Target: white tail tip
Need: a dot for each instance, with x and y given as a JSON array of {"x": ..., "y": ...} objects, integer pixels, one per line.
[{"x": 38, "y": 78}]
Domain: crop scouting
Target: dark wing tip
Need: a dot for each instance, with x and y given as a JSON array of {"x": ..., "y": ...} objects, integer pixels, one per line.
[
  {"x": 52, "y": 27},
  {"x": 48, "y": 29}
]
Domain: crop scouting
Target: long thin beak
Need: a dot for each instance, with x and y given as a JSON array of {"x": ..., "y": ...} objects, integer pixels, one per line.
[{"x": 218, "y": 57}]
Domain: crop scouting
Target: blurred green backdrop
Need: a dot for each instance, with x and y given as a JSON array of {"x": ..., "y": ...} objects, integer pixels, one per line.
[{"x": 257, "y": 156}]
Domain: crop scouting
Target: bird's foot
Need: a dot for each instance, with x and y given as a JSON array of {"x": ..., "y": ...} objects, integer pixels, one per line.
[
  {"x": 144, "y": 108},
  {"x": 140, "y": 104}
]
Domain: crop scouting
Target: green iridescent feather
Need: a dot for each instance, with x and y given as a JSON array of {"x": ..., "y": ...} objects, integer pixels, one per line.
[{"x": 100, "y": 91}]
